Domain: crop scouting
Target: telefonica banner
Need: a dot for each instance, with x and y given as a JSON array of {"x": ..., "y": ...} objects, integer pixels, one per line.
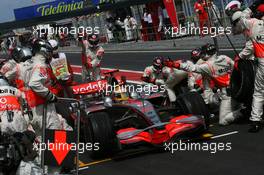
[{"x": 53, "y": 8}]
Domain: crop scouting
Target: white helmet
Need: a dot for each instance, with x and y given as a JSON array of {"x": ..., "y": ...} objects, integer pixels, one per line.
[
  {"x": 232, "y": 7},
  {"x": 54, "y": 44}
]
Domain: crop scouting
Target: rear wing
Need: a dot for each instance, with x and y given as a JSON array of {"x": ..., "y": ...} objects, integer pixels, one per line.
[{"x": 90, "y": 88}]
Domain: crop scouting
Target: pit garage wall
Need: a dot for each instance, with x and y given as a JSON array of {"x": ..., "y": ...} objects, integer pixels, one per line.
[{"x": 153, "y": 8}]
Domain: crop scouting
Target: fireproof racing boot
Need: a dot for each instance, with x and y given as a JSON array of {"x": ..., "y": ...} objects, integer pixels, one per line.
[{"x": 255, "y": 127}]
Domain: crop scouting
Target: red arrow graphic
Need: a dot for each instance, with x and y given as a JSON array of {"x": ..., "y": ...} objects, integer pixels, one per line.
[{"x": 60, "y": 148}]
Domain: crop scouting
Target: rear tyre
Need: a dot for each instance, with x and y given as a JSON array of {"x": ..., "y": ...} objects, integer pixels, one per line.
[
  {"x": 193, "y": 103},
  {"x": 181, "y": 88},
  {"x": 242, "y": 81},
  {"x": 99, "y": 130}
]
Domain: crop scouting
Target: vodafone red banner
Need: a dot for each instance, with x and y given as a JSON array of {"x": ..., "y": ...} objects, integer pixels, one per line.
[{"x": 171, "y": 9}]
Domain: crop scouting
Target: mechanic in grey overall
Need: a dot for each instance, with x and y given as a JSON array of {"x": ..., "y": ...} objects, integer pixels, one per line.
[
  {"x": 159, "y": 74},
  {"x": 36, "y": 81},
  {"x": 218, "y": 69},
  {"x": 254, "y": 27},
  {"x": 233, "y": 10}
]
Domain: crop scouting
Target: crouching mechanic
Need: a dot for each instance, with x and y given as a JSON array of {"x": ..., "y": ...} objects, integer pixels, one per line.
[
  {"x": 92, "y": 55},
  {"x": 159, "y": 74},
  {"x": 61, "y": 69},
  {"x": 218, "y": 69},
  {"x": 254, "y": 27},
  {"x": 153, "y": 74}
]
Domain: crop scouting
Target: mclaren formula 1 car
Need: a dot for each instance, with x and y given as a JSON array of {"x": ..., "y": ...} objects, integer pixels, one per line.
[{"x": 119, "y": 120}]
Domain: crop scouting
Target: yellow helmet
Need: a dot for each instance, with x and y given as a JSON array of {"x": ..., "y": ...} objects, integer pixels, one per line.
[{"x": 120, "y": 94}]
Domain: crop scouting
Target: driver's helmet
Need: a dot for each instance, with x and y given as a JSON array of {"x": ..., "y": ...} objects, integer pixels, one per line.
[
  {"x": 120, "y": 94},
  {"x": 157, "y": 64}
]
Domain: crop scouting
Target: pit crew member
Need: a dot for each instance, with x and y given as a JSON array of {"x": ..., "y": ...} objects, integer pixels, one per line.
[
  {"x": 255, "y": 28},
  {"x": 218, "y": 69},
  {"x": 61, "y": 69},
  {"x": 92, "y": 55}
]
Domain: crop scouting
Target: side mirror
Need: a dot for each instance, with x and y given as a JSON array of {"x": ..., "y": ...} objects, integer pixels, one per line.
[
  {"x": 108, "y": 102},
  {"x": 134, "y": 95}
]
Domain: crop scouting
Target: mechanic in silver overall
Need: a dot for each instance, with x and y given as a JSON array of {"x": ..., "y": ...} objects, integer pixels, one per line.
[
  {"x": 233, "y": 10},
  {"x": 254, "y": 28},
  {"x": 153, "y": 74},
  {"x": 159, "y": 74},
  {"x": 218, "y": 69},
  {"x": 92, "y": 55},
  {"x": 35, "y": 79}
]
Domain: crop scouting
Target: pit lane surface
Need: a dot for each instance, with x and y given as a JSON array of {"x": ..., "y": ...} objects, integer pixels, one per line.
[{"x": 244, "y": 158}]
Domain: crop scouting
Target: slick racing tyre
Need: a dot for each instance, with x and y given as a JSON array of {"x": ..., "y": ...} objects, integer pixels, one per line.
[
  {"x": 242, "y": 81},
  {"x": 193, "y": 103},
  {"x": 98, "y": 129},
  {"x": 182, "y": 87}
]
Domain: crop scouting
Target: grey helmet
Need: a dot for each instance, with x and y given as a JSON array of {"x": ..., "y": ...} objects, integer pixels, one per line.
[
  {"x": 25, "y": 54},
  {"x": 15, "y": 54}
]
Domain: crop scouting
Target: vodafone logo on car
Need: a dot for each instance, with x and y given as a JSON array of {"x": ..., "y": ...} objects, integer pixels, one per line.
[{"x": 88, "y": 88}]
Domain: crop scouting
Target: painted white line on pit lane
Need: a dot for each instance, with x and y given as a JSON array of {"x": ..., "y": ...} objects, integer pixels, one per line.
[
  {"x": 147, "y": 51},
  {"x": 223, "y": 135},
  {"x": 83, "y": 168}
]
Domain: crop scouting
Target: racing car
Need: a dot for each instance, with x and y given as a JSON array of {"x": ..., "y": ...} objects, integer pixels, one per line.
[{"x": 119, "y": 120}]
